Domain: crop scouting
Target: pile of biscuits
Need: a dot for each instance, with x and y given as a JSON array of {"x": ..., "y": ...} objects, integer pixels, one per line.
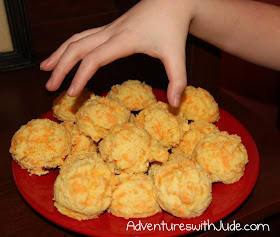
[{"x": 130, "y": 154}]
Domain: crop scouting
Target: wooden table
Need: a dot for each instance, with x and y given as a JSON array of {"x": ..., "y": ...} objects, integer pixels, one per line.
[{"x": 23, "y": 97}]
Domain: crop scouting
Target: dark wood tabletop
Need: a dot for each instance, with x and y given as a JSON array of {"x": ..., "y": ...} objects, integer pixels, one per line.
[{"x": 23, "y": 97}]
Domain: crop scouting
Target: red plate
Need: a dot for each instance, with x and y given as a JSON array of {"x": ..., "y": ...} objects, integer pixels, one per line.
[{"x": 38, "y": 192}]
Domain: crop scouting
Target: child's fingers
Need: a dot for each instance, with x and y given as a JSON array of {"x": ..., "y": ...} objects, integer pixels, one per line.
[
  {"x": 111, "y": 50},
  {"x": 175, "y": 66},
  {"x": 74, "y": 52},
  {"x": 50, "y": 63}
]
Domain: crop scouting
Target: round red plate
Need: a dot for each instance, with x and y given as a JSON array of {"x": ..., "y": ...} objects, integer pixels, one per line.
[{"x": 38, "y": 192}]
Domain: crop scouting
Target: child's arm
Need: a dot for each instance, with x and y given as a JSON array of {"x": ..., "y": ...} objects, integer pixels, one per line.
[{"x": 247, "y": 29}]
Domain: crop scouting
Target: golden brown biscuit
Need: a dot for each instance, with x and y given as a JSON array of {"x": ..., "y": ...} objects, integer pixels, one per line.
[
  {"x": 178, "y": 156},
  {"x": 80, "y": 142},
  {"x": 128, "y": 148},
  {"x": 165, "y": 127},
  {"x": 66, "y": 107},
  {"x": 83, "y": 155},
  {"x": 197, "y": 131},
  {"x": 134, "y": 94},
  {"x": 153, "y": 168},
  {"x": 198, "y": 104},
  {"x": 40, "y": 144},
  {"x": 183, "y": 188},
  {"x": 132, "y": 118},
  {"x": 223, "y": 156},
  {"x": 99, "y": 114},
  {"x": 134, "y": 197},
  {"x": 83, "y": 188}
]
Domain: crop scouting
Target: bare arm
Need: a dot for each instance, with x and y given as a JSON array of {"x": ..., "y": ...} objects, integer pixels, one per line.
[{"x": 247, "y": 29}]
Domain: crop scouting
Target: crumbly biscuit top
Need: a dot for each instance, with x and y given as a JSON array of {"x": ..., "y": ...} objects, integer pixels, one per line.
[
  {"x": 66, "y": 107},
  {"x": 222, "y": 155},
  {"x": 83, "y": 155},
  {"x": 40, "y": 144},
  {"x": 129, "y": 149},
  {"x": 134, "y": 94},
  {"x": 183, "y": 188},
  {"x": 164, "y": 126},
  {"x": 80, "y": 142},
  {"x": 83, "y": 188},
  {"x": 134, "y": 197},
  {"x": 99, "y": 114},
  {"x": 198, "y": 130},
  {"x": 198, "y": 104}
]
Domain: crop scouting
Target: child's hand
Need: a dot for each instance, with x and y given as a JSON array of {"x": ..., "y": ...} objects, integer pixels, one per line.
[{"x": 157, "y": 28}]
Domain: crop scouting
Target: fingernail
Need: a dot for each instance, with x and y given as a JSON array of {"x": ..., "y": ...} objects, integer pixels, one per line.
[
  {"x": 49, "y": 84},
  {"x": 44, "y": 62},
  {"x": 177, "y": 99},
  {"x": 71, "y": 90}
]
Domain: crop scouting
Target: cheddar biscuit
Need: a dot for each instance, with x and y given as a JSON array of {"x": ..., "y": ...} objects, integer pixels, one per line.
[
  {"x": 134, "y": 94},
  {"x": 82, "y": 155},
  {"x": 164, "y": 126},
  {"x": 98, "y": 115},
  {"x": 134, "y": 197},
  {"x": 154, "y": 166},
  {"x": 197, "y": 131},
  {"x": 79, "y": 142},
  {"x": 183, "y": 188},
  {"x": 198, "y": 104},
  {"x": 39, "y": 145},
  {"x": 178, "y": 156},
  {"x": 128, "y": 148},
  {"x": 83, "y": 188},
  {"x": 66, "y": 107},
  {"x": 223, "y": 156}
]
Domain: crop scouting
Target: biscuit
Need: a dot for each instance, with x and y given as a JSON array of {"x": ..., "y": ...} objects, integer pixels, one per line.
[
  {"x": 154, "y": 166},
  {"x": 178, "y": 156},
  {"x": 134, "y": 197},
  {"x": 80, "y": 142},
  {"x": 223, "y": 156},
  {"x": 160, "y": 122},
  {"x": 132, "y": 118},
  {"x": 128, "y": 148},
  {"x": 99, "y": 114},
  {"x": 183, "y": 188},
  {"x": 197, "y": 131},
  {"x": 134, "y": 94},
  {"x": 82, "y": 155},
  {"x": 66, "y": 107},
  {"x": 198, "y": 104},
  {"x": 83, "y": 188},
  {"x": 40, "y": 144}
]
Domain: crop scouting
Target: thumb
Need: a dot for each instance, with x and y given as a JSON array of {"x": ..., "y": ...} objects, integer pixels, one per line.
[{"x": 175, "y": 66}]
